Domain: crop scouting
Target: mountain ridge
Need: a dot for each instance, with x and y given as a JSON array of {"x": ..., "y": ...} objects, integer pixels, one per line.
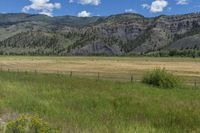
[{"x": 119, "y": 34}]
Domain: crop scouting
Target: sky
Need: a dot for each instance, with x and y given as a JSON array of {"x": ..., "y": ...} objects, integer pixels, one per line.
[{"x": 88, "y": 8}]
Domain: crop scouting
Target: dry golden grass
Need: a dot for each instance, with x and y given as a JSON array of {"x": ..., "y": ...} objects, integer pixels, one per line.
[{"x": 123, "y": 65}]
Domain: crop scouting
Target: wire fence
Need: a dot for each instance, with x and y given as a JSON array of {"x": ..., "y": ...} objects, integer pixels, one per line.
[{"x": 127, "y": 77}]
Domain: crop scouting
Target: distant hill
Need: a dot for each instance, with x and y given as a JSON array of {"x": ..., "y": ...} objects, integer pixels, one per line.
[{"x": 121, "y": 34}]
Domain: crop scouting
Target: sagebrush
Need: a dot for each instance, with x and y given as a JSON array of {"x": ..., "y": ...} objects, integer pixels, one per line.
[
  {"x": 28, "y": 124},
  {"x": 161, "y": 78}
]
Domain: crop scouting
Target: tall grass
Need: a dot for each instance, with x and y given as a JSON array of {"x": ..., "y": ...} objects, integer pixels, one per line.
[{"x": 86, "y": 105}]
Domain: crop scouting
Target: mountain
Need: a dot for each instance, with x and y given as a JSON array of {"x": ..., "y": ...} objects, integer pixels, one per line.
[{"x": 121, "y": 34}]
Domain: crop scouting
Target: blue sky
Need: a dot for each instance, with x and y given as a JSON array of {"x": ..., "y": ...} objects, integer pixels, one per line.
[{"x": 85, "y": 8}]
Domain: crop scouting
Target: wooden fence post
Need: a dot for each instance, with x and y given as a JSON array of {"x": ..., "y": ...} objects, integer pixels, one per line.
[
  {"x": 195, "y": 83},
  {"x": 98, "y": 76},
  {"x": 70, "y": 75},
  {"x": 131, "y": 77},
  {"x": 35, "y": 71}
]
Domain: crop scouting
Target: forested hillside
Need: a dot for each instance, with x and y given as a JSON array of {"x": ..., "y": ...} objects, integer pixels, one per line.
[{"x": 121, "y": 34}]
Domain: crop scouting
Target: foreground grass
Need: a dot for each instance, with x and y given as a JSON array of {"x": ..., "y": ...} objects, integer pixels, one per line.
[{"x": 85, "y": 105}]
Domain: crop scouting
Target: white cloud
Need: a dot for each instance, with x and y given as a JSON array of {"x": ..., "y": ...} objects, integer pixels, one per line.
[
  {"x": 43, "y": 6},
  {"x": 182, "y": 2},
  {"x": 146, "y": 6},
  {"x": 84, "y": 14},
  {"x": 156, "y": 6},
  {"x": 87, "y": 2},
  {"x": 130, "y": 11}
]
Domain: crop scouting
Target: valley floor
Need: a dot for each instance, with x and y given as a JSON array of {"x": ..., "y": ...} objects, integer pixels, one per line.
[
  {"x": 120, "y": 68},
  {"x": 87, "y": 105}
]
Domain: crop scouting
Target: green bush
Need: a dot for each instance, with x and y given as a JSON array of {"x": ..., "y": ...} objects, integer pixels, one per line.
[
  {"x": 161, "y": 78},
  {"x": 28, "y": 124}
]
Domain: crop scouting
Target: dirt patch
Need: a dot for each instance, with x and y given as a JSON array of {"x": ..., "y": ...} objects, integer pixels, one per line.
[{"x": 6, "y": 117}]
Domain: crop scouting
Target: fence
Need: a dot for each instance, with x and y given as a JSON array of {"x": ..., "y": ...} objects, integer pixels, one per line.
[
  {"x": 128, "y": 77},
  {"x": 94, "y": 75}
]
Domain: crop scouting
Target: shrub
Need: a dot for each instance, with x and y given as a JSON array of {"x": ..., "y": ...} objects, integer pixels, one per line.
[
  {"x": 161, "y": 78},
  {"x": 28, "y": 124}
]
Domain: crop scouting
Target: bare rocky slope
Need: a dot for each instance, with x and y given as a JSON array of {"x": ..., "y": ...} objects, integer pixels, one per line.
[{"x": 122, "y": 34}]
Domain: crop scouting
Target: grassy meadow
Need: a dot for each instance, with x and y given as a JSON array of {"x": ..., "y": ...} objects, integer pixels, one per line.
[
  {"x": 87, "y": 105},
  {"x": 114, "y": 68}
]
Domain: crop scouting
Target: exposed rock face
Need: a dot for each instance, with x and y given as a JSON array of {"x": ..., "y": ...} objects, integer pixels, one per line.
[
  {"x": 187, "y": 43},
  {"x": 97, "y": 48},
  {"x": 114, "y": 35},
  {"x": 179, "y": 24}
]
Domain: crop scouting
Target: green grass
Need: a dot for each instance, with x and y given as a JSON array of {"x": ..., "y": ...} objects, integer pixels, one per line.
[{"x": 86, "y": 105}]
